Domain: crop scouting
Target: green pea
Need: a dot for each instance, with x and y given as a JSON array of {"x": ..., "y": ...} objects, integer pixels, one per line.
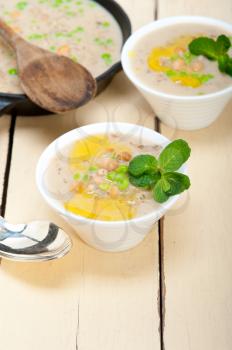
[
  {"x": 36, "y": 36},
  {"x": 123, "y": 185},
  {"x": 12, "y": 71},
  {"x": 52, "y": 48},
  {"x": 122, "y": 169},
  {"x": 106, "y": 24},
  {"x": 120, "y": 177},
  {"x": 93, "y": 168},
  {"x": 174, "y": 58},
  {"x": 70, "y": 13},
  {"x": 188, "y": 57},
  {"x": 111, "y": 175},
  {"x": 76, "y": 176},
  {"x": 85, "y": 177},
  {"x": 59, "y": 34},
  {"x": 109, "y": 41},
  {"x": 57, "y": 3},
  {"x": 97, "y": 41},
  {"x": 21, "y": 5},
  {"x": 104, "y": 186},
  {"x": 79, "y": 29},
  {"x": 92, "y": 4},
  {"x": 107, "y": 58}
]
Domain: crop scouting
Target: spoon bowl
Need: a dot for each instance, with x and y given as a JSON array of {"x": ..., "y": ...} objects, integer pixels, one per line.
[
  {"x": 36, "y": 241},
  {"x": 56, "y": 83},
  {"x": 53, "y": 82}
]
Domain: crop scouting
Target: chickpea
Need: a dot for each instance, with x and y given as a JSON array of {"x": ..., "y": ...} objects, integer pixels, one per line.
[
  {"x": 109, "y": 164},
  {"x": 126, "y": 156},
  {"x": 114, "y": 191},
  {"x": 197, "y": 66},
  {"x": 178, "y": 64},
  {"x": 90, "y": 188}
]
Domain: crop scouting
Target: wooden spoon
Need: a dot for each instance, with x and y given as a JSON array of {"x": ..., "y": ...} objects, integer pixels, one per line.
[{"x": 53, "y": 82}]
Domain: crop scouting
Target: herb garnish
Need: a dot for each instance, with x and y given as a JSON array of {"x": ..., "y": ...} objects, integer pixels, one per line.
[
  {"x": 215, "y": 50},
  {"x": 159, "y": 175}
]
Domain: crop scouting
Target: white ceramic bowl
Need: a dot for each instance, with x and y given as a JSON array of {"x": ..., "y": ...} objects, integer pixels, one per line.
[
  {"x": 104, "y": 235},
  {"x": 182, "y": 112}
]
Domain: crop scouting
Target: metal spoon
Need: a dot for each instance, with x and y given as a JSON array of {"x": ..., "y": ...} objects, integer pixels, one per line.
[{"x": 36, "y": 241}]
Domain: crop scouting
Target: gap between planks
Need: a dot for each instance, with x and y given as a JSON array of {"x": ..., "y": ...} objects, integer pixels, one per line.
[
  {"x": 162, "y": 288},
  {"x": 7, "y": 167}
]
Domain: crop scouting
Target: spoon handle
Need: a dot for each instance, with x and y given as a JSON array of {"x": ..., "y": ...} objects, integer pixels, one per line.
[{"x": 9, "y": 34}]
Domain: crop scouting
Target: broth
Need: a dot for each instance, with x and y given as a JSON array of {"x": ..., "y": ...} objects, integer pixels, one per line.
[
  {"x": 89, "y": 178},
  {"x": 163, "y": 62}
]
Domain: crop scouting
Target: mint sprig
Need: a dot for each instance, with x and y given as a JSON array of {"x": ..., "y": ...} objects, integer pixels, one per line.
[
  {"x": 215, "y": 50},
  {"x": 159, "y": 175}
]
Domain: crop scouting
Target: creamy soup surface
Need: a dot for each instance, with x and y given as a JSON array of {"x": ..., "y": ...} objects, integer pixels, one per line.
[
  {"x": 163, "y": 61},
  {"x": 90, "y": 178},
  {"x": 80, "y": 29}
]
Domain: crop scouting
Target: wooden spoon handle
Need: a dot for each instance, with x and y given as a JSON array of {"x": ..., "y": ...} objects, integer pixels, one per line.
[{"x": 9, "y": 35}]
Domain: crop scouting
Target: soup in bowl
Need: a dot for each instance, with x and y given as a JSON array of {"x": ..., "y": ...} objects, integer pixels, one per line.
[
  {"x": 187, "y": 91},
  {"x": 82, "y": 175}
]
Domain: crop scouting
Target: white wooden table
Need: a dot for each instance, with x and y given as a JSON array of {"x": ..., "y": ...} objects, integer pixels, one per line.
[{"x": 174, "y": 291}]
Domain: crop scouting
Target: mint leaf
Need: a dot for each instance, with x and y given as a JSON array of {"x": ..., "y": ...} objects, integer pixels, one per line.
[
  {"x": 159, "y": 194},
  {"x": 204, "y": 46},
  {"x": 146, "y": 181},
  {"x": 214, "y": 50},
  {"x": 178, "y": 183},
  {"x": 142, "y": 164},
  {"x": 223, "y": 44},
  {"x": 174, "y": 155},
  {"x": 165, "y": 184},
  {"x": 223, "y": 62},
  {"x": 228, "y": 68},
  {"x": 169, "y": 185}
]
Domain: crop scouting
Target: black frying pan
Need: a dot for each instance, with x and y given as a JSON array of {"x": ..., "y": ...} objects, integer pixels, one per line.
[{"x": 21, "y": 105}]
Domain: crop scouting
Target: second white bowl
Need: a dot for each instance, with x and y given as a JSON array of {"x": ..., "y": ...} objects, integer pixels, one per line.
[{"x": 181, "y": 112}]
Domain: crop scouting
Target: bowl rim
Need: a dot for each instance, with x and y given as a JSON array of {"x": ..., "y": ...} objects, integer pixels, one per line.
[
  {"x": 165, "y": 23},
  {"x": 47, "y": 154}
]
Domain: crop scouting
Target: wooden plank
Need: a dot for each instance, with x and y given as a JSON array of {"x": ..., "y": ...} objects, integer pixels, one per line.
[
  {"x": 197, "y": 233},
  {"x": 88, "y": 300},
  {"x": 210, "y": 8},
  {"x": 4, "y": 139}
]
